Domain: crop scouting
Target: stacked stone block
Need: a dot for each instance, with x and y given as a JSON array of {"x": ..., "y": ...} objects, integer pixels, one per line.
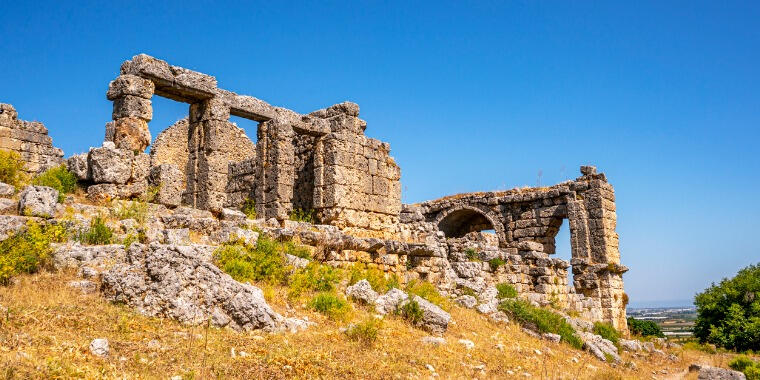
[
  {"x": 29, "y": 139},
  {"x": 132, "y": 111}
]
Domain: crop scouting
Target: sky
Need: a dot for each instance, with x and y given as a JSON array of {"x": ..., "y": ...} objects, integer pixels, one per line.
[{"x": 661, "y": 96}]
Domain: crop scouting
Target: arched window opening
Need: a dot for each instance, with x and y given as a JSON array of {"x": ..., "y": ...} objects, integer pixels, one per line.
[{"x": 463, "y": 221}]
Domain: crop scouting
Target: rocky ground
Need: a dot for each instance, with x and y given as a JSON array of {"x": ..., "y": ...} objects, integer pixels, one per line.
[{"x": 155, "y": 305}]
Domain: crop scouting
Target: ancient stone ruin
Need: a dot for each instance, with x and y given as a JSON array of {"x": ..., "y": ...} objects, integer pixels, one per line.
[
  {"x": 322, "y": 164},
  {"x": 29, "y": 139}
]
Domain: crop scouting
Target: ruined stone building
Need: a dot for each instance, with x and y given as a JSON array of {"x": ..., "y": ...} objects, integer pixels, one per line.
[
  {"x": 29, "y": 139},
  {"x": 322, "y": 161}
]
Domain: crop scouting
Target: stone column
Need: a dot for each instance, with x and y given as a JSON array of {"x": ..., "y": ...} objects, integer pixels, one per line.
[
  {"x": 209, "y": 144},
  {"x": 277, "y": 158},
  {"x": 132, "y": 111}
]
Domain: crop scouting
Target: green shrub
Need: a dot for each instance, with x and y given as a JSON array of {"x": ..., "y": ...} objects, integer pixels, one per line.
[
  {"x": 696, "y": 346},
  {"x": 330, "y": 305},
  {"x": 505, "y": 290},
  {"x": 249, "y": 208},
  {"x": 98, "y": 233},
  {"x": 643, "y": 327},
  {"x": 266, "y": 262},
  {"x": 29, "y": 250},
  {"x": 315, "y": 277},
  {"x": 365, "y": 332},
  {"x": 607, "y": 331},
  {"x": 728, "y": 314},
  {"x": 472, "y": 254},
  {"x": 376, "y": 278},
  {"x": 136, "y": 210},
  {"x": 299, "y": 215},
  {"x": 746, "y": 365},
  {"x": 496, "y": 263},
  {"x": 544, "y": 320},
  {"x": 412, "y": 312},
  {"x": 468, "y": 292},
  {"x": 291, "y": 248},
  {"x": 427, "y": 291},
  {"x": 12, "y": 168},
  {"x": 59, "y": 178}
]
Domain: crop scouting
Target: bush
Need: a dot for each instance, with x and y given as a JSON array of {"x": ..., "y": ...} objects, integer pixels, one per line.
[
  {"x": 644, "y": 327},
  {"x": 412, "y": 312},
  {"x": 544, "y": 320},
  {"x": 12, "y": 168},
  {"x": 266, "y": 262},
  {"x": 291, "y": 248},
  {"x": 746, "y": 365},
  {"x": 59, "y": 178},
  {"x": 505, "y": 290},
  {"x": 98, "y": 233},
  {"x": 471, "y": 254},
  {"x": 299, "y": 215},
  {"x": 249, "y": 208},
  {"x": 365, "y": 332},
  {"x": 29, "y": 250},
  {"x": 496, "y": 263},
  {"x": 376, "y": 278},
  {"x": 607, "y": 331},
  {"x": 728, "y": 314},
  {"x": 315, "y": 277},
  {"x": 427, "y": 291},
  {"x": 330, "y": 305}
]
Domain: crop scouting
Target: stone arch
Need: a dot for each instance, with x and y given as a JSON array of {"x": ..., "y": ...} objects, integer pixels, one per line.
[{"x": 460, "y": 220}]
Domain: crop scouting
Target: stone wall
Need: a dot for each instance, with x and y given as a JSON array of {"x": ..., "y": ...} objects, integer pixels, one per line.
[
  {"x": 525, "y": 223},
  {"x": 29, "y": 139}
]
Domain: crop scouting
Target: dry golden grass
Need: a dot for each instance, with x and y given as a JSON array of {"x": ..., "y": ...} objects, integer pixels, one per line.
[{"x": 49, "y": 326}]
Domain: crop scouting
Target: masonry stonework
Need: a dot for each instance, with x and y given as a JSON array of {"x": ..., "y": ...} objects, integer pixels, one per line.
[{"x": 29, "y": 139}]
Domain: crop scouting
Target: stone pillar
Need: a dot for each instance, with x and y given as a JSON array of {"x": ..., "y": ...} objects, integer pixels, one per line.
[
  {"x": 277, "y": 171},
  {"x": 596, "y": 257},
  {"x": 209, "y": 144},
  {"x": 132, "y": 111}
]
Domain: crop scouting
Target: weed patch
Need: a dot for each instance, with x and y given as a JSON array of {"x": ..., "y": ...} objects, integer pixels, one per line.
[
  {"x": 505, "y": 290},
  {"x": 97, "y": 234},
  {"x": 365, "y": 332},
  {"x": 330, "y": 305},
  {"x": 427, "y": 291},
  {"x": 12, "y": 168},
  {"x": 29, "y": 250},
  {"x": 59, "y": 178},
  {"x": 412, "y": 312},
  {"x": 315, "y": 277},
  {"x": 377, "y": 278},
  {"x": 544, "y": 320},
  {"x": 496, "y": 263},
  {"x": 606, "y": 331}
]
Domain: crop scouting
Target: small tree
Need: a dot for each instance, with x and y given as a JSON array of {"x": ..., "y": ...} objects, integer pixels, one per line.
[
  {"x": 644, "y": 327},
  {"x": 728, "y": 314}
]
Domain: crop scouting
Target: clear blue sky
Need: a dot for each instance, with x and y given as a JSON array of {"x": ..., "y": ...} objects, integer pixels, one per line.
[{"x": 664, "y": 97}]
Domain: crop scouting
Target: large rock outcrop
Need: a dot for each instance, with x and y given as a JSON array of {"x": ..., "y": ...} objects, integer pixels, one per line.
[{"x": 169, "y": 281}]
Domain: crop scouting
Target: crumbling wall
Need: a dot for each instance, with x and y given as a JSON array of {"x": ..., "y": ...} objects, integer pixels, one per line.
[
  {"x": 525, "y": 223},
  {"x": 29, "y": 139}
]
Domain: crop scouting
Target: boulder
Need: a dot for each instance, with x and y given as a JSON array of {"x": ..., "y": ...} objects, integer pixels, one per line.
[
  {"x": 466, "y": 301},
  {"x": 99, "y": 347},
  {"x": 630, "y": 345},
  {"x": 715, "y": 373},
  {"x": 469, "y": 269},
  {"x": 296, "y": 262},
  {"x": 177, "y": 236},
  {"x": 38, "y": 201},
  {"x": 434, "y": 319},
  {"x": 433, "y": 340},
  {"x": 108, "y": 165},
  {"x": 165, "y": 281},
  {"x": 232, "y": 215},
  {"x": 362, "y": 291},
  {"x": 599, "y": 347},
  {"x": 6, "y": 190},
  {"x": 8, "y": 206},
  {"x": 388, "y": 302},
  {"x": 10, "y": 224},
  {"x": 78, "y": 165}
]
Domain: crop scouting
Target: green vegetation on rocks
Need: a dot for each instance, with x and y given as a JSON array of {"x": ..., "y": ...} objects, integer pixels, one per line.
[
  {"x": 541, "y": 319},
  {"x": 376, "y": 278},
  {"x": 29, "y": 250},
  {"x": 505, "y": 290},
  {"x": 330, "y": 305},
  {"x": 607, "y": 331},
  {"x": 59, "y": 178},
  {"x": 12, "y": 169}
]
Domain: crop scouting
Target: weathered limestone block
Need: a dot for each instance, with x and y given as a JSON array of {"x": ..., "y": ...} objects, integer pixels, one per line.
[
  {"x": 38, "y": 201},
  {"x": 131, "y": 133},
  {"x": 78, "y": 165},
  {"x": 130, "y": 85},
  {"x": 108, "y": 165},
  {"x": 132, "y": 106},
  {"x": 170, "y": 184},
  {"x": 6, "y": 190},
  {"x": 362, "y": 291}
]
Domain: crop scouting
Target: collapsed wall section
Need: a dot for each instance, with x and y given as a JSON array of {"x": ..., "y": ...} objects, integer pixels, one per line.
[{"x": 29, "y": 139}]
